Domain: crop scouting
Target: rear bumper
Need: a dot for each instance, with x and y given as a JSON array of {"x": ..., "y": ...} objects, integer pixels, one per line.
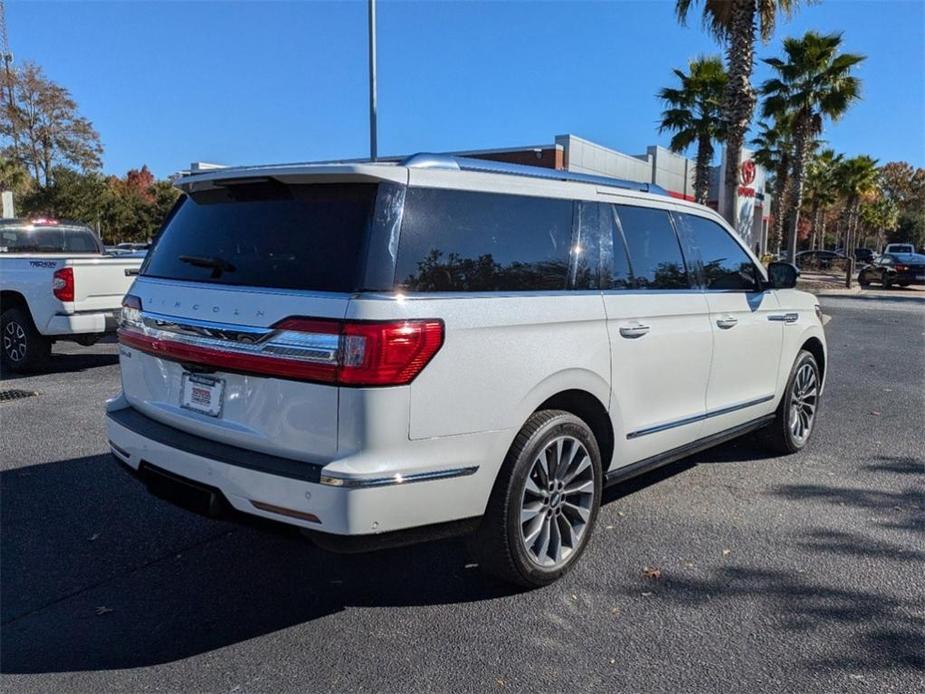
[
  {"x": 91, "y": 322},
  {"x": 292, "y": 492},
  {"x": 909, "y": 278}
]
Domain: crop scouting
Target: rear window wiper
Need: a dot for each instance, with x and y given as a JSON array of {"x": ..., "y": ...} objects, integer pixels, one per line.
[{"x": 218, "y": 265}]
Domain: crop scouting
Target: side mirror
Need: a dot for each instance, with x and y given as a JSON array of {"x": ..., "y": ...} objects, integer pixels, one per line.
[{"x": 783, "y": 275}]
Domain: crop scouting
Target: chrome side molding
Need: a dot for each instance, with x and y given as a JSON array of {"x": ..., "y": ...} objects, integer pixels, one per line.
[
  {"x": 698, "y": 417},
  {"x": 785, "y": 317}
]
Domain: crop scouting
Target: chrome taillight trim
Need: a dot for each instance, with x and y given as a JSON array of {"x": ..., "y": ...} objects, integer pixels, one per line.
[{"x": 315, "y": 348}]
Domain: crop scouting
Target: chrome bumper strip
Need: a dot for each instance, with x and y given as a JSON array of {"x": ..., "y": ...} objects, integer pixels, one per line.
[{"x": 367, "y": 483}]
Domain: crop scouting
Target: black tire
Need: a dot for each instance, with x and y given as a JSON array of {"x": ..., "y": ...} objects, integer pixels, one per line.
[
  {"x": 23, "y": 348},
  {"x": 886, "y": 281},
  {"x": 863, "y": 281},
  {"x": 779, "y": 435},
  {"x": 499, "y": 545}
]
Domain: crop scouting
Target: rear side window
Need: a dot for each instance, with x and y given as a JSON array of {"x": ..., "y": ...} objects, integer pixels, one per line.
[
  {"x": 28, "y": 239},
  {"x": 654, "y": 250},
  {"x": 268, "y": 234},
  {"x": 724, "y": 264},
  {"x": 600, "y": 253},
  {"x": 465, "y": 241}
]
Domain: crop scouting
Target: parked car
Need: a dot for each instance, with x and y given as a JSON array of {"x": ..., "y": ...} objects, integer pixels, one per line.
[
  {"x": 820, "y": 260},
  {"x": 904, "y": 248},
  {"x": 864, "y": 255},
  {"x": 56, "y": 283},
  {"x": 383, "y": 353},
  {"x": 891, "y": 269}
]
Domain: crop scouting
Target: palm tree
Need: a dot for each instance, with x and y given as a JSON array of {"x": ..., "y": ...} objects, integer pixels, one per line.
[
  {"x": 693, "y": 113},
  {"x": 773, "y": 150},
  {"x": 735, "y": 23},
  {"x": 855, "y": 178},
  {"x": 812, "y": 84},
  {"x": 821, "y": 190}
]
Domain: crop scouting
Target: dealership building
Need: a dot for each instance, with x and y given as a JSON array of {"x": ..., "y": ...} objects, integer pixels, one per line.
[{"x": 657, "y": 165}]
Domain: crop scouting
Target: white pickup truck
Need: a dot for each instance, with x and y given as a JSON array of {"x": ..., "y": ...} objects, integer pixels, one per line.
[{"x": 56, "y": 283}]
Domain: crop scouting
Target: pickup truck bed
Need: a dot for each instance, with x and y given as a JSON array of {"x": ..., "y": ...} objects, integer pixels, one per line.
[{"x": 52, "y": 296}]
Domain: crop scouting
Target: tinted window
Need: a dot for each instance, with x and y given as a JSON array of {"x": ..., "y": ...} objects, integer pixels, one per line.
[
  {"x": 654, "y": 251},
  {"x": 28, "y": 239},
  {"x": 600, "y": 254},
  {"x": 474, "y": 242},
  {"x": 724, "y": 264},
  {"x": 267, "y": 235}
]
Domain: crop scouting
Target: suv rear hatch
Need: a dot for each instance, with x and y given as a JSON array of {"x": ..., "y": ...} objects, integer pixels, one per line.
[{"x": 215, "y": 339}]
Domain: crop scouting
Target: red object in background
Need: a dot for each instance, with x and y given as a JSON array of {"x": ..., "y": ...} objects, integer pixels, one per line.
[{"x": 747, "y": 172}]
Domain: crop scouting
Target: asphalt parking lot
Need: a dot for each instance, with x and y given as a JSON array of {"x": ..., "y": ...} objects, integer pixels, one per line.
[{"x": 731, "y": 571}]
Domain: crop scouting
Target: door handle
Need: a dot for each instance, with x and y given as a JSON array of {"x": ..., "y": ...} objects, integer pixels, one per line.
[
  {"x": 727, "y": 322},
  {"x": 633, "y": 331}
]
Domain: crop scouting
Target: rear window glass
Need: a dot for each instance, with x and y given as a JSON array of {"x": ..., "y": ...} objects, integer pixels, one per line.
[
  {"x": 268, "y": 234},
  {"x": 654, "y": 249},
  {"x": 467, "y": 241},
  {"x": 28, "y": 239}
]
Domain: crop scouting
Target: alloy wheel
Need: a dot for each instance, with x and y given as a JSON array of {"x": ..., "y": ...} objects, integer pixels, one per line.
[
  {"x": 803, "y": 401},
  {"x": 557, "y": 501},
  {"x": 14, "y": 341}
]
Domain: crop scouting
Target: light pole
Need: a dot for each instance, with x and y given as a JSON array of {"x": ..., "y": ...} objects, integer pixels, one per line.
[{"x": 373, "y": 135}]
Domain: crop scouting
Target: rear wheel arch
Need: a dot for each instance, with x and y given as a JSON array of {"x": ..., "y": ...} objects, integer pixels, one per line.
[
  {"x": 592, "y": 412},
  {"x": 11, "y": 299}
]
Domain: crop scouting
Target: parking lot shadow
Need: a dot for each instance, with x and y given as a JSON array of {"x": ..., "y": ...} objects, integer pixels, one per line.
[
  {"x": 66, "y": 363},
  {"x": 96, "y": 574}
]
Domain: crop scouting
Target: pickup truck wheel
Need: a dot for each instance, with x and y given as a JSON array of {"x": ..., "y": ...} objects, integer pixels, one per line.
[
  {"x": 24, "y": 348},
  {"x": 544, "y": 503},
  {"x": 796, "y": 414}
]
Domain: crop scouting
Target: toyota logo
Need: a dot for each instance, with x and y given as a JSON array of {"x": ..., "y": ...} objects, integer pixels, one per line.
[{"x": 747, "y": 172}]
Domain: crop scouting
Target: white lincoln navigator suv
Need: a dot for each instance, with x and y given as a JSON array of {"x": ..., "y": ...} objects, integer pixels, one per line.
[{"x": 379, "y": 353}]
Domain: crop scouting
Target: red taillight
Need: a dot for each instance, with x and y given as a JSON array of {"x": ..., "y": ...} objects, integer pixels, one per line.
[
  {"x": 376, "y": 353},
  {"x": 63, "y": 284},
  {"x": 349, "y": 353},
  {"x": 902, "y": 268}
]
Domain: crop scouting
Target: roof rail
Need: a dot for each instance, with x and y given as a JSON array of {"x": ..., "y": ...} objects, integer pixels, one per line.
[{"x": 445, "y": 161}]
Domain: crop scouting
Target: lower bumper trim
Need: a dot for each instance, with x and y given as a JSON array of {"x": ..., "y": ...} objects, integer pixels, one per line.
[{"x": 138, "y": 423}]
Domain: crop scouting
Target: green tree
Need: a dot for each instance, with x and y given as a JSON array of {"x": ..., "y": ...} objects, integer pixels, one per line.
[
  {"x": 878, "y": 217},
  {"x": 737, "y": 24},
  {"x": 813, "y": 83},
  {"x": 905, "y": 186},
  {"x": 43, "y": 129},
  {"x": 821, "y": 190},
  {"x": 774, "y": 151},
  {"x": 70, "y": 195},
  {"x": 856, "y": 177},
  {"x": 693, "y": 112}
]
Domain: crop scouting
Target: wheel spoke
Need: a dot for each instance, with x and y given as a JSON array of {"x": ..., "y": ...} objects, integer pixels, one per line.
[
  {"x": 530, "y": 511},
  {"x": 580, "y": 487},
  {"x": 555, "y": 541},
  {"x": 533, "y": 530},
  {"x": 583, "y": 513},
  {"x": 583, "y": 464},
  {"x": 566, "y": 532},
  {"x": 540, "y": 465},
  {"x": 543, "y": 541},
  {"x": 532, "y": 487}
]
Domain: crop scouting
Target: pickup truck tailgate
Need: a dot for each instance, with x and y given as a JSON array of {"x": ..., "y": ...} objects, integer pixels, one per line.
[{"x": 100, "y": 283}]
